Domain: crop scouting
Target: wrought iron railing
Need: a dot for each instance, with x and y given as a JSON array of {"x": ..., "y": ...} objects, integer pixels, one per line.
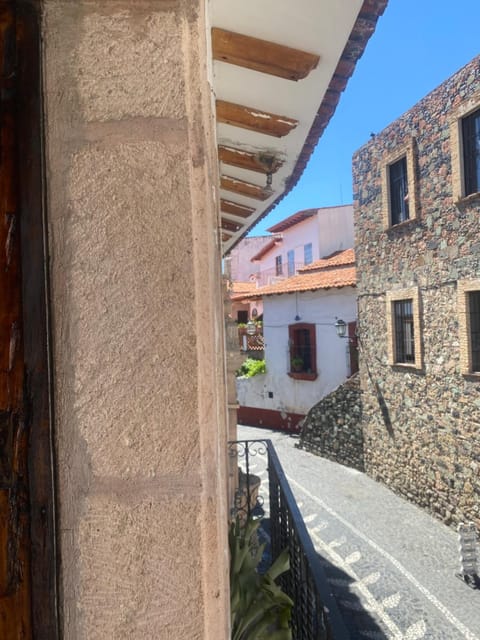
[{"x": 315, "y": 615}]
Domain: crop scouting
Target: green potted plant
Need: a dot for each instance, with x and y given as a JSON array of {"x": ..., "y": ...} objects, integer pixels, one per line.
[{"x": 296, "y": 363}]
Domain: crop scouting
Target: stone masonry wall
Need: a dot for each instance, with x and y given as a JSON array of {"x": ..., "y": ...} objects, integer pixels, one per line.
[
  {"x": 421, "y": 425},
  {"x": 333, "y": 427}
]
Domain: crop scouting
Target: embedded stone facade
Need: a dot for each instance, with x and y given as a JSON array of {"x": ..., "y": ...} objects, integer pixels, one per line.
[
  {"x": 421, "y": 423},
  {"x": 333, "y": 427}
]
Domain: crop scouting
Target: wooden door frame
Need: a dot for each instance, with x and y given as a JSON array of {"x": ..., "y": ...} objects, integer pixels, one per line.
[{"x": 37, "y": 392}]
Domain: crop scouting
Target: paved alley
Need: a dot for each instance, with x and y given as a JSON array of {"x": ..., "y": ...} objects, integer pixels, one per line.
[{"x": 390, "y": 565}]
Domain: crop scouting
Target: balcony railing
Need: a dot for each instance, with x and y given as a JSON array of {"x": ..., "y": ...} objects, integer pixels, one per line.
[
  {"x": 274, "y": 275},
  {"x": 315, "y": 615}
]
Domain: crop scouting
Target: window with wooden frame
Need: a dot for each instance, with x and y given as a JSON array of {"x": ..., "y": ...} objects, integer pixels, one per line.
[
  {"x": 471, "y": 152},
  {"x": 302, "y": 351},
  {"x": 465, "y": 150},
  {"x": 399, "y": 187},
  {"x": 398, "y": 191},
  {"x": 404, "y": 331},
  {"x": 403, "y": 328},
  {"x": 469, "y": 326},
  {"x": 278, "y": 266}
]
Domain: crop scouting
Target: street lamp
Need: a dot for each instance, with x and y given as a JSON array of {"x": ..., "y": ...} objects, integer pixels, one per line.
[
  {"x": 251, "y": 328},
  {"x": 341, "y": 328}
]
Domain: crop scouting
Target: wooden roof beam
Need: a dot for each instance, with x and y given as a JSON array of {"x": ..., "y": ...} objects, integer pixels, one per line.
[
  {"x": 243, "y": 188},
  {"x": 230, "y": 225},
  {"x": 235, "y": 209},
  {"x": 259, "y": 162},
  {"x": 262, "y": 55},
  {"x": 238, "y": 115}
]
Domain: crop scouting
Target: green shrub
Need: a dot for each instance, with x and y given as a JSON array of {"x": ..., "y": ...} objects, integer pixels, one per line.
[
  {"x": 250, "y": 368},
  {"x": 260, "y": 609}
]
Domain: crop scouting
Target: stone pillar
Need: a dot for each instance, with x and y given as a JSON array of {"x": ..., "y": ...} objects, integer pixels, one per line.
[
  {"x": 234, "y": 360},
  {"x": 139, "y": 365}
]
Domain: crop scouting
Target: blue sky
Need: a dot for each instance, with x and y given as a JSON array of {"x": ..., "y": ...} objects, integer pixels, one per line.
[{"x": 417, "y": 45}]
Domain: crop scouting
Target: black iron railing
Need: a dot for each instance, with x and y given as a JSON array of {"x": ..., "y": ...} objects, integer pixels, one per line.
[{"x": 264, "y": 490}]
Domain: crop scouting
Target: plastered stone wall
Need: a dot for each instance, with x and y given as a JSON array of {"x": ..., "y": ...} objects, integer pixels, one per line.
[
  {"x": 421, "y": 425},
  {"x": 333, "y": 427},
  {"x": 137, "y": 321}
]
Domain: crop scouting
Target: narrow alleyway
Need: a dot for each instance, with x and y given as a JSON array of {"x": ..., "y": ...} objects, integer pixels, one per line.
[{"x": 391, "y": 566}]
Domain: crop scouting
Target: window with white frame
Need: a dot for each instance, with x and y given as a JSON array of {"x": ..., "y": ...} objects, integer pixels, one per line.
[
  {"x": 307, "y": 253},
  {"x": 278, "y": 266},
  {"x": 291, "y": 263}
]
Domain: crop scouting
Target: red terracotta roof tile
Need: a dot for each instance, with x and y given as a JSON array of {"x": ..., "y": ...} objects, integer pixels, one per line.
[
  {"x": 243, "y": 290},
  {"x": 242, "y": 287},
  {"x": 311, "y": 281},
  {"x": 337, "y": 259}
]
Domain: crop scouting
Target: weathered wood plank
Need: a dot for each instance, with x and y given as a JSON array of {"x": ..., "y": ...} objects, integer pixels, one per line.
[
  {"x": 261, "y": 163},
  {"x": 35, "y": 327},
  {"x": 257, "y": 120},
  {"x": 15, "y": 584},
  {"x": 244, "y": 188},
  {"x": 262, "y": 55},
  {"x": 235, "y": 209},
  {"x": 230, "y": 225}
]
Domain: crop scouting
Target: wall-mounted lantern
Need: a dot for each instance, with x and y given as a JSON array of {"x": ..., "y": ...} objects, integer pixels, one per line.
[
  {"x": 251, "y": 328},
  {"x": 341, "y": 328}
]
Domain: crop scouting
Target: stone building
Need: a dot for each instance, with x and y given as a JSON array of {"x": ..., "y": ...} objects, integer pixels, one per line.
[
  {"x": 123, "y": 126},
  {"x": 417, "y": 206}
]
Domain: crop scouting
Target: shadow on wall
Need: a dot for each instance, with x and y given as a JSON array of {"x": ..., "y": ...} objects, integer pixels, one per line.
[{"x": 333, "y": 427}]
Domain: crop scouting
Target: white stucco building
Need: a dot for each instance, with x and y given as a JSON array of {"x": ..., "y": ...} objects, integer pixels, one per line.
[
  {"x": 301, "y": 239},
  {"x": 305, "y": 359}
]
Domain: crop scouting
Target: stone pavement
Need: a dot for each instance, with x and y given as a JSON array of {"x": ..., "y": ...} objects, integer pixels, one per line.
[{"x": 390, "y": 565}]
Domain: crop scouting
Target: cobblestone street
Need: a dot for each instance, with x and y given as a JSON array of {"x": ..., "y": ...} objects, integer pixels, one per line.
[{"x": 390, "y": 565}]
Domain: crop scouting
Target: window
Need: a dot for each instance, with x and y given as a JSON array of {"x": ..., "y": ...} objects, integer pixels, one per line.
[
  {"x": 291, "y": 263},
  {"x": 302, "y": 351},
  {"x": 403, "y": 328},
  {"x": 471, "y": 152},
  {"x": 404, "y": 331},
  {"x": 474, "y": 312},
  {"x": 278, "y": 266},
  {"x": 307, "y": 253},
  {"x": 242, "y": 316},
  {"x": 398, "y": 183},
  {"x": 399, "y": 186},
  {"x": 469, "y": 326}
]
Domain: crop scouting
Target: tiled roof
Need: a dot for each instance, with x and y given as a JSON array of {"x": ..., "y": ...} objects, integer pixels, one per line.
[
  {"x": 313, "y": 280},
  {"x": 266, "y": 248},
  {"x": 242, "y": 287},
  {"x": 337, "y": 259},
  {"x": 292, "y": 220},
  {"x": 243, "y": 290},
  {"x": 335, "y": 271}
]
